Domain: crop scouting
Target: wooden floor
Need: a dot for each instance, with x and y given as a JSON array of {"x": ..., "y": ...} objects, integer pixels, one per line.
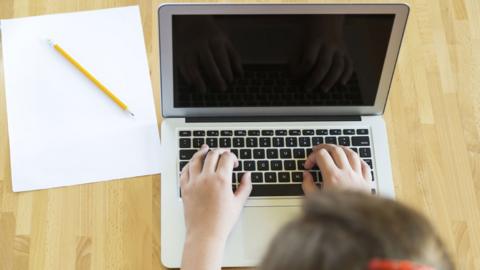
[{"x": 433, "y": 118}]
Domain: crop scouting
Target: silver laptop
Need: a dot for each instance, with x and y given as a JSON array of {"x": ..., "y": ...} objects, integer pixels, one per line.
[{"x": 269, "y": 82}]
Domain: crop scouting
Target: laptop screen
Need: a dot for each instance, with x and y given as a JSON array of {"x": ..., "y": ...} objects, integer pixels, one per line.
[{"x": 278, "y": 60}]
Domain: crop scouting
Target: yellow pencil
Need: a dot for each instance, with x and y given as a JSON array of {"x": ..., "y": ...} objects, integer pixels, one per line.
[{"x": 89, "y": 76}]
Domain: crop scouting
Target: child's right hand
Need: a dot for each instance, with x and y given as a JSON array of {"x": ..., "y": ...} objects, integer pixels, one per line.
[{"x": 340, "y": 166}]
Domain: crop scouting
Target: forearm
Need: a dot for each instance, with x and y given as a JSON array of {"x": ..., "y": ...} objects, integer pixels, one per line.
[{"x": 202, "y": 253}]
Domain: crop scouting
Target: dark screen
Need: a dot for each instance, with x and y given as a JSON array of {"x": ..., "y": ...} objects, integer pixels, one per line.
[{"x": 278, "y": 60}]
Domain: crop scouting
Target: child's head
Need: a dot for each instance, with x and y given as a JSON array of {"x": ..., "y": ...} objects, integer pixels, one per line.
[{"x": 346, "y": 230}]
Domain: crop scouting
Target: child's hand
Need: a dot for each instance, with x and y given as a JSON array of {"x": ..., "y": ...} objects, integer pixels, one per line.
[
  {"x": 210, "y": 206},
  {"x": 340, "y": 166}
]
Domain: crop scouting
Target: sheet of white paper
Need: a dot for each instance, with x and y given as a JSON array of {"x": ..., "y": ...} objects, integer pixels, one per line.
[{"x": 63, "y": 130}]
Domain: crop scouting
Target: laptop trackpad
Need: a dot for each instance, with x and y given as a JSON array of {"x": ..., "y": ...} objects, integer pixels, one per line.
[{"x": 260, "y": 224}]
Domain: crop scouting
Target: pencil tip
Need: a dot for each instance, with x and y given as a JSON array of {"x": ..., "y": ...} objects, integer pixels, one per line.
[{"x": 131, "y": 114}]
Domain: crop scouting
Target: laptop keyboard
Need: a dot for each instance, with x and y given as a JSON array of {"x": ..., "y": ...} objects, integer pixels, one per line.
[{"x": 274, "y": 156}]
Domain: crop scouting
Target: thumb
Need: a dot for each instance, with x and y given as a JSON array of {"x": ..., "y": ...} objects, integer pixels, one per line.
[
  {"x": 308, "y": 185},
  {"x": 245, "y": 187}
]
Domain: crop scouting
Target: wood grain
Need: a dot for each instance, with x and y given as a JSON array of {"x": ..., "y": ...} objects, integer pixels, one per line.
[{"x": 433, "y": 121}]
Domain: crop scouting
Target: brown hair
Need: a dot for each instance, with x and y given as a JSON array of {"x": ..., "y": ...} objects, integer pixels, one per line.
[{"x": 344, "y": 230}]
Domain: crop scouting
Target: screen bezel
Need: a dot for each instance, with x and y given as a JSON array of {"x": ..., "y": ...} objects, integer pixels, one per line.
[{"x": 165, "y": 12}]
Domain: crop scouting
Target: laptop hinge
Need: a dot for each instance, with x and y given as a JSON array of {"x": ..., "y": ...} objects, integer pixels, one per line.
[{"x": 223, "y": 119}]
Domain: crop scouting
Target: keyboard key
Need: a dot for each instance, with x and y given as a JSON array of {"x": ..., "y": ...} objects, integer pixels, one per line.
[
  {"x": 257, "y": 178},
  {"x": 234, "y": 178},
  {"x": 235, "y": 152},
  {"x": 285, "y": 153},
  {"x": 267, "y": 132},
  {"x": 245, "y": 154},
  {"x": 362, "y": 131},
  {"x": 185, "y": 133},
  {"x": 349, "y": 132},
  {"x": 332, "y": 140},
  {"x": 262, "y": 165},
  {"x": 373, "y": 177},
  {"x": 322, "y": 131},
  {"x": 276, "y": 190},
  {"x": 249, "y": 165},
  {"x": 335, "y": 132},
  {"x": 284, "y": 177},
  {"x": 291, "y": 141},
  {"x": 254, "y": 133},
  {"x": 343, "y": 140},
  {"x": 239, "y": 168},
  {"x": 304, "y": 141},
  {"x": 298, "y": 153},
  {"x": 226, "y": 133},
  {"x": 270, "y": 177},
  {"x": 317, "y": 176},
  {"x": 354, "y": 149},
  {"x": 212, "y": 142},
  {"x": 289, "y": 165},
  {"x": 185, "y": 143},
  {"x": 226, "y": 142},
  {"x": 281, "y": 132},
  {"x": 278, "y": 142},
  {"x": 198, "y": 142},
  {"x": 369, "y": 162},
  {"x": 374, "y": 191},
  {"x": 212, "y": 133},
  {"x": 265, "y": 142},
  {"x": 199, "y": 133},
  {"x": 294, "y": 132},
  {"x": 258, "y": 153},
  {"x": 240, "y": 177},
  {"x": 272, "y": 153},
  {"x": 308, "y": 132},
  {"x": 187, "y": 154},
  {"x": 365, "y": 152},
  {"x": 360, "y": 141},
  {"x": 182, "y": 164},
  {"x": 252, "y": 142},
  {"x": 317, "y": 140},
  {"x": 276, "y": 165},
  {"x": 308, "y": 151},
  {"x": 240, "y": 133},
  {"x": 301, "y": 164},
  {"x": 297, "y": 177},
  {"x": 238, "y": 142}
]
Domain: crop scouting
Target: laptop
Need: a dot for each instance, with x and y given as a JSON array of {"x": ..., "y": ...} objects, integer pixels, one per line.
[{"x": 269, "y": 81}]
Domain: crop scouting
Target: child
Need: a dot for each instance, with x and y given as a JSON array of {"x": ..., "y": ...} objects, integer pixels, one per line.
[{"x": 341, "y": 227}]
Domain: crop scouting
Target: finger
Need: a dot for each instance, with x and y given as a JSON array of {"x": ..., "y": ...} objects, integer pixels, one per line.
[
  {"x": 324, "y": 161},
  {"x": 211, "y": 160},
  {"x": 197, "y": 79},
  {"x": 337, "y": 153},
  {"x": 226, "y": 164},
  {"x": 354, "y": 159},
  {"x": 222, "y": 59},
  {"x": 348, "y": 70},
  {"x": 185, "y": 73},
  {"x": 309, "y": 57},
  {"x": 235, "y": 59},
  {"x": 367, "y": 175},
  {"x": 184, "y": 177},
  {"x": 308, "y": 185},
  {"x": 322, "y": 66},
  {"x": 334, "y": 74},
  {"x": 211, "y": 70},
  {"x": 244, "y": 188},
  {"x": 196, "y": 163}
]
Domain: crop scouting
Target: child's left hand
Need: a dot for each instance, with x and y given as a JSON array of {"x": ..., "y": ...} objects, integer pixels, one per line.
[{"x": 211, "y": 208}]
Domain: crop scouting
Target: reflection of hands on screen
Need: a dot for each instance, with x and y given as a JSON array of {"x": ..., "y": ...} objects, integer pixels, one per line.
[
  {"x": 323, "y": 64},
  {"x": 207, "y": 57},
  {"x": 324, "y": 61}
]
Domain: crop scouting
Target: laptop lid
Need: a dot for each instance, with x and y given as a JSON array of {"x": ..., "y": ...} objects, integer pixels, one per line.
[{"x": 278, "y": 60}]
